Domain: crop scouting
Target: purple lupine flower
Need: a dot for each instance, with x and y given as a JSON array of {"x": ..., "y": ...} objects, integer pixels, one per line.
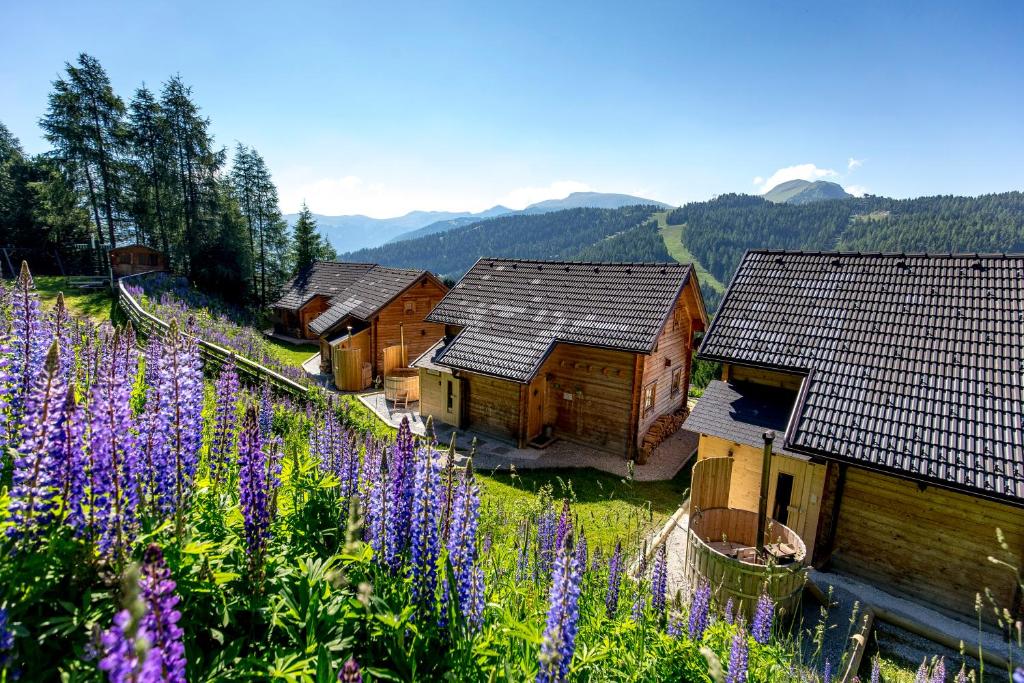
[
  {"x": 59, "y": 322},
  {"x": 145, "y": 645},
  {"x": 462, "y": 551},
  {"x": 6, "y": 637},
  {"x": 400, "y": 499},
  {"x": 675, "y": 624},
  {"x": 160, "y": 621},
  {"x": 826, "y": 675},
  {"x": 563, "y": 619},
  {"x": 876, "y": 669},
  {"x": 28, "y": 343},
  {"x": 1017, "y": 677},
  {"x": 547, "y": 534},
  {"x": 583, "y": 551},
  {"x": 564, "y": 526},
  {"x": 611, "y": 600},
  {"x": 728, "y": 614},
  {"x": 225, "y": 422},
  {"x": 266, "y": 412},
  {"x": 659, "y": 581},
  {"x": 154, "y": 424},
  {"x": 961, "y": 675},
  {"x": 738, "y": 653},
  {"x": 922, "y": 672},
  {"x": 113, "y": 464},
  {"x": 70, "y": 457},
  {"x": 939, "y": 671},
  {"x": 350, "y": 672},
  {"x": 254, "y": 495},
  {"x": 181, "y": 400},
  {"x": 637, "y": 611},
  {"x": 424, "y": 537},
  {"x": 761, "y": 627},
  {"x": 36, "y": 482},
  {"x": 699, "y": 607}
]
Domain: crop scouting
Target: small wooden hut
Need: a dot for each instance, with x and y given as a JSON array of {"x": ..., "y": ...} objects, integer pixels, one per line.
[
  {"x": 358, "y": 311},
  {"x": 594, "y": 353},
  {"x": 133, "y": 259}
]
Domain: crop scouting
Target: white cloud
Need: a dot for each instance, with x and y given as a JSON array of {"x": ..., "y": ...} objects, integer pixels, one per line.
[
  {"x": 521, "y": 197},
  {"x": 854, "y": 163},
  {"x": 798, "y": 172},
  {"x": 856, "y": 190}
]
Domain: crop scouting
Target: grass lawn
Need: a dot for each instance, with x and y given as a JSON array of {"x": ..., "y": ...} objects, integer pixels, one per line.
[
  {"x": 672, "y": 235},
  {"x": 291, "y": 354},
  {"x": 96, "y": 304},
  {"x": 609, "y": 507}
]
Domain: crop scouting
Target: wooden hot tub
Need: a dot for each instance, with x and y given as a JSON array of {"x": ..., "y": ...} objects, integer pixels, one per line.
[
  {"x": 720, "y": 550},
  {"x": 400, "y": 380}
]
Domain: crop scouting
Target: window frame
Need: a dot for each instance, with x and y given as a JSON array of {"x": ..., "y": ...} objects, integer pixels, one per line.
[{"x": 650, "y": 390}]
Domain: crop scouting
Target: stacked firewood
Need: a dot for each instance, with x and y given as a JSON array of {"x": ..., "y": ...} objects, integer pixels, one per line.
[{"x": 664, "y": 427}]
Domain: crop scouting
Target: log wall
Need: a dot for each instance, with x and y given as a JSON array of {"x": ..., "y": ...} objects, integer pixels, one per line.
[
  {"x": 929, "y": 545},
  {"x": 308, "y": 313},
  {"x": 491, "y": 406},
  {"x": 419, "y": 334},
  {"x": 771, "y": 378}
]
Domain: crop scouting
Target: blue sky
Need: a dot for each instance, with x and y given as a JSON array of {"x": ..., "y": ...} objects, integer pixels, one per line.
[{"x": 381, "y": 108}]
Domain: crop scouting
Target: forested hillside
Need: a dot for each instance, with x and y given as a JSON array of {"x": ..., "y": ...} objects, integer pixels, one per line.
[
  {"x": 719, "y": 231},
  {"x": 568, "y": 234},
  {"x": 642, "y": 243}
]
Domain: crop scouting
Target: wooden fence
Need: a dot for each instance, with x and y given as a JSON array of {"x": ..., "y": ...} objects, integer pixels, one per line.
[{"x": 147, "y": 325}]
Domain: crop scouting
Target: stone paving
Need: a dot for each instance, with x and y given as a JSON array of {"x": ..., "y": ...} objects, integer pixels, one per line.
[{"x": 495, "y": 455}]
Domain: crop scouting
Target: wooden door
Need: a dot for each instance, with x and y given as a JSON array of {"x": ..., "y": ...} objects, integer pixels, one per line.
[
  {"x": 567, "y": 404},
  {"x": 710, "y": 484},
  {"x": 452, "y": 400},
  {"x": 795, "y": 488},
  {"x": 537, "y": 398}
]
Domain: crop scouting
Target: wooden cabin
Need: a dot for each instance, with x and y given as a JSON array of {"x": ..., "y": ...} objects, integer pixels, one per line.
[
  {"x": 594, "y": 353},
  {"x": 895, "y": 384},
  {"x": 358, "y": 311},
  {"x": 133, "y": 259}
]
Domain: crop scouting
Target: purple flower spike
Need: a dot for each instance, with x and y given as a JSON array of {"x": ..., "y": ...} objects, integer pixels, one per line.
[
  {"x": 563, "y": 619},
  {"x": 611, "y": 600},
  {"x": 462, "y": 551},
  {"x": 564, "y": 526},
  {"x": 761, "y": 628},
  {"x": 256, "y": 481},
  {"x": 729, "y": 609},
  {"x": 699, "y": 608},
  {"x": 738, "y": 654},
  {"x": 424, "y": 539},
  {"x": 659, "y": 581},
  {"x": 225, "y": 422},
  {"x": 876, "y": 669},
  {"x": 350, "y": 672},
  {"x": 939, "y": 671},
  {"x": 6, "y": 637}
]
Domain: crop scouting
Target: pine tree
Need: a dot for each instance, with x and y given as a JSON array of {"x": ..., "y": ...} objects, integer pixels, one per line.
[
  {"x": 308, "y": 245},
  {"x": 150, "y": 171},
  {"x": 268, "y": 232}
]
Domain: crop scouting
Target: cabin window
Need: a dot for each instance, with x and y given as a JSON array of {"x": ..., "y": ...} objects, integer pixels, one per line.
[
  {"x": 677, "y": 381},
  {"x": 649, "y": 392},
  {"x": 410, "y": 306}
]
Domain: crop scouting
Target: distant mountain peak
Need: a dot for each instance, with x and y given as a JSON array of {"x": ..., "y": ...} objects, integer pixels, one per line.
[{"x": 805, "y": 191}]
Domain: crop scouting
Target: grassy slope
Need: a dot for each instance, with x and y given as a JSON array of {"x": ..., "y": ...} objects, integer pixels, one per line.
[
  {"x": 672, "y": 234},
  {"x": 97, "y": 304},
  {"x": 292, "y": 354}
]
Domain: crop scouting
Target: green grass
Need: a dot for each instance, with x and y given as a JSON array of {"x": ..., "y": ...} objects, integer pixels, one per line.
[
  {"x": 291, "y": 354},
  {"x": 672, "y": 234},
  {"x": 95, "y": 304},
  {"x": 610, "y": 507}
]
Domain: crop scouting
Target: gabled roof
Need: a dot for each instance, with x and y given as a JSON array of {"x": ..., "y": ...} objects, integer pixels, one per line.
[
  {"x": 133, "y": 245},
  {"x": 512, "y": 312},
  {"x": 324, "y": 278},
  {"x": 914, "y": 364},
  {"x": 374, "y": 290}
]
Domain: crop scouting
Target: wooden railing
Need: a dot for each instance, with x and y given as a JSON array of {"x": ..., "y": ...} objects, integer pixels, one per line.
[{"x": 146, "y": 325}]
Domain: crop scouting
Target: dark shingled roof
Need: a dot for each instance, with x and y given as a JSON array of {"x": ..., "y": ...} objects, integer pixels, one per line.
[
  {"x": 326, "y": 278},
  {"x": 514, "y": 311},
  {"x": 914, "y": 363},
  {"x": 367, "y": 295},
  {"x": 741, "y": 412}
]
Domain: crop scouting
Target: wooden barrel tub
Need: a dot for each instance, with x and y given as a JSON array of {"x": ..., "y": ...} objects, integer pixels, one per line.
[
  {"x": 716, "y": 531},
  {"x": 402, "y": 379}
]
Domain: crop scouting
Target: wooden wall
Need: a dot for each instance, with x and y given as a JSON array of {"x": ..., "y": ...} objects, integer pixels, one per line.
[
  {"x": 585, "y": 393},
  {"x": 745, "y": 486},
  {"x": 419, "y": 334},
  {"x": 491, "y": 406},
  {"x": 771, "y": 378},
  {"x": 308, "y": 313},
  {"x": 927, "y": 545},
  {"x": 675, "y": 346},
  {"x": 434, "y": 397}
]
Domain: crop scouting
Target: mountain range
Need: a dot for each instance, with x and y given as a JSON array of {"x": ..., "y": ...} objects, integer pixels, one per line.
[{"x": 350, "y": 233}]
